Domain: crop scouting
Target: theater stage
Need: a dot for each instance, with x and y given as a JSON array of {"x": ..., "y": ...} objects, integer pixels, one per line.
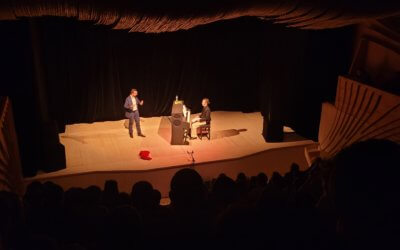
[{"x": 103, "y": 150}]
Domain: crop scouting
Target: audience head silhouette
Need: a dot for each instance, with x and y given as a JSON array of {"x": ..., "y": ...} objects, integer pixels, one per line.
[
  {"x": 187, "y": 189},
  {"x": 142, "y": 195},
  {"x": 365, "y": 189}
]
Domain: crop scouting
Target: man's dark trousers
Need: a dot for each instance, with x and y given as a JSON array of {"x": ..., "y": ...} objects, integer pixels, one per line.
[{"x": 134, "y": 117}]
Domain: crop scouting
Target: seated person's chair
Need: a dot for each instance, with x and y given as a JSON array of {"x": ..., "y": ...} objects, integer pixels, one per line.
[{"x": 204, "y": 130}]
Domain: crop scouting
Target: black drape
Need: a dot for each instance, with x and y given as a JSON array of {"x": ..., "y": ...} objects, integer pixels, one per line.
[
  {"x": 90, "y": 70},
  {"x": 16, "y": 81}
]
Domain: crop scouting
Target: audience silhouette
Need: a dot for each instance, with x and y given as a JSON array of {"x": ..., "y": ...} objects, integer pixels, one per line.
[{"x": 350, "y": 201}]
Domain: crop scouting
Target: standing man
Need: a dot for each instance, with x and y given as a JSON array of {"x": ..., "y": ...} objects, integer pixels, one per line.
[{"x": 131, "y": 106}]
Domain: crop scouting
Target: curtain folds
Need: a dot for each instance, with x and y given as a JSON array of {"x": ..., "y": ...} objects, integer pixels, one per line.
[{"x": 172, "y": 15}]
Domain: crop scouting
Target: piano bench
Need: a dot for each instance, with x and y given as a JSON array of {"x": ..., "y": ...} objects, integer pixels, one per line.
[{"x": 204, "y": 130}]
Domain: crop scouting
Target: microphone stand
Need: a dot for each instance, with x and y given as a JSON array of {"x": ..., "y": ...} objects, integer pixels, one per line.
[{"x": 191, "y": 155}]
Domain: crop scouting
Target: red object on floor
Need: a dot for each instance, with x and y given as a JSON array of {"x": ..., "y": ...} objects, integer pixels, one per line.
[{"x": 145, "y": 155}]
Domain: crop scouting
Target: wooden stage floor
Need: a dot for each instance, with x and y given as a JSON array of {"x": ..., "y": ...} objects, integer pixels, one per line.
[
  {"x": 103, "y": 150},
  {"x": 106, "y": 146}
]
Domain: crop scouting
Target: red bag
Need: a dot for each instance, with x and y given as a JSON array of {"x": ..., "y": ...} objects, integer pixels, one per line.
[{"x": 145, "y": 155}]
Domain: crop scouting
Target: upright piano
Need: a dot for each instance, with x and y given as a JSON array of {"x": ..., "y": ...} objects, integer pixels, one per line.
[{"x": 180, "y": 123}]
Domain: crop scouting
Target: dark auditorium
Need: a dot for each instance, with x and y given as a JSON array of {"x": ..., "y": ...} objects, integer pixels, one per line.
[{"x": 243, "y": 124}]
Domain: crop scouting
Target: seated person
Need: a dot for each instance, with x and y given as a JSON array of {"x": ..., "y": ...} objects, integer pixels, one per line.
[{"x": 204, "y": 117}]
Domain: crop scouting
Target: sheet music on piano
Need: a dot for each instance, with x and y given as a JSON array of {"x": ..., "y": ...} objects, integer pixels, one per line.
[{"x": 186, "y": 113}]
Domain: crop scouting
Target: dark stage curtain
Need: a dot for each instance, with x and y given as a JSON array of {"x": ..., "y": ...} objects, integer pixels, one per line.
[
  {"x": 90, "y": 70},
  {"x": 16, "y": 81}
]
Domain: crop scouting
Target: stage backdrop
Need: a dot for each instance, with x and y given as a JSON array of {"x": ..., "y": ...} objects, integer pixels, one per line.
[{"x": 74, "y": 72}]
